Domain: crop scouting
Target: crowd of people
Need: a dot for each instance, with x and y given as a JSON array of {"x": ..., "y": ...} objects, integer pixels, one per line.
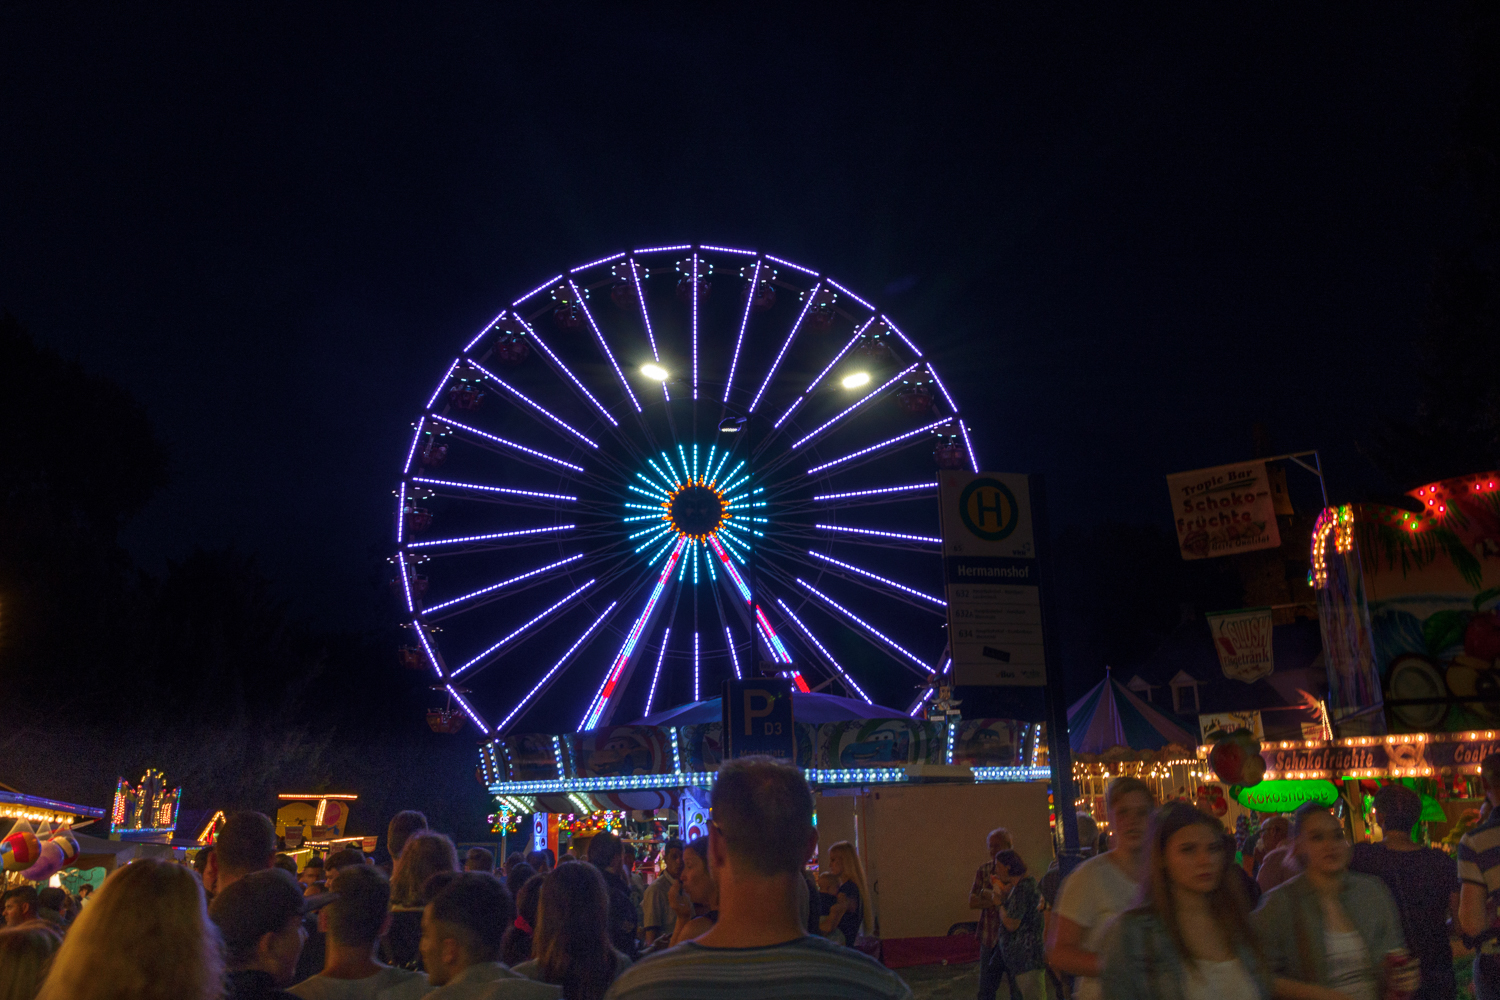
[
  {"x": 733, "y": 914},
  {"x": 1166, "y": 912}
]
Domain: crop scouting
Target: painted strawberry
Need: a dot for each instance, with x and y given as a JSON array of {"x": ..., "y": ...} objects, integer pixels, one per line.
[{"x": 1482, "y": 637}]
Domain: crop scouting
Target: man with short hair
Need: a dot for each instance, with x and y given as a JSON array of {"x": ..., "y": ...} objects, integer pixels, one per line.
[
  {"x": 607, "y": 854},
  {"x": 399, "y": 831},
  {"x": 246, "y": 843},
  {"x": 52, "y": 905},
  {"x": 479, "y": 860},
  {"x": 461, "y": 933},
  {"x": 1278, "y": 863},
  {"x": 20, "y": 905},
  {"x": 352, "y": 923},
  {"x": 259, "y": 915},
  {"x": 760, "y": 835},
  {"x": 343, "y": 858},
  {"x": 1479, "y": 878},
  {"x": 657, "y": 915},
  {"x": 311, "y": 872}
]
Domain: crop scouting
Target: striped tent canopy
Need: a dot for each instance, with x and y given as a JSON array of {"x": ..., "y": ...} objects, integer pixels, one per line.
[{"x": 1111, "y": 715}]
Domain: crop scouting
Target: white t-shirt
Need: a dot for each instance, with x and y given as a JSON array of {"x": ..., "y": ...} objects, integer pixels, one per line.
[
  {"x": 1227, "y": 980},
  {"x": 387, "y": 984},
  {"x": 1091, "y": 897},
  {"x": 1349, "y": 969}
]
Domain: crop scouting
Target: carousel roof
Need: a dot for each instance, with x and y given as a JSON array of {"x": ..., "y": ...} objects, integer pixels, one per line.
[
  {"x": 809, "y": 707},
  {"x": 1111, "y": 715}
]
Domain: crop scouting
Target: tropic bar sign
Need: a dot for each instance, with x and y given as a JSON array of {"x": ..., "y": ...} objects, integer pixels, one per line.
[{"x": 1412, "y": 755}]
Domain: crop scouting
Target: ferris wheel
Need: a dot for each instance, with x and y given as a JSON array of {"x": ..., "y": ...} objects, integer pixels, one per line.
[{"x": 669, "y": 467}]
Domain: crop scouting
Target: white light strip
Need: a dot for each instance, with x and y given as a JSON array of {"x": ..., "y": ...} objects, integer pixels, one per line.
[
  {"x": 824, "y": 650},
  {"x": 523, "y": 628},
  {"x": 604, "y": 345},
  {"x": 556, "y": 667},
  {"x": 681, "y": 779},
  {"x": 539, "y": 288},
  {"x": 880, "y": 534},
  {"x": 491, "y": 537},
  {"x": 880, "y": 579},
  {"x": 788, "y": 343},
  {"x": 493, "y": 489},
  {"x": 876, "y": 447},
  {"x": 509, "y": 444},
  {"x": 877, "y": 492},
  {"x": 744, "y": 321},
  {"x": 503, "y": 583},
  {"x": 867, "y": 626},
  {"x": 852, "y": 407}
]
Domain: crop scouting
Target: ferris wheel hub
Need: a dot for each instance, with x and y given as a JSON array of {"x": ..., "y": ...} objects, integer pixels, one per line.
[{"x": 697, "y": 511}]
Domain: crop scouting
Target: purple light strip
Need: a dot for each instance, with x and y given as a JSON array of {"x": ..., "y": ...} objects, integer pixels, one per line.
[
  {"x": 846, "y": 291},
  {"x": 696, "y": 691},
  {"x": 401, "y": 514},
  {"x": 596, "y": 263},
  {"x": 880, "y": 579},
  {"x": 852, "y": 407},
  {"x": 411, "y": 605},
  {"x": 640, "y": 298},
  {"x": 539, "y": 288},
  {"x": 852, "y": 341},
  {"x": 556, "y": 667},
  {"x": 486, "y": 538},
  {"x": 431, "y": 656},
  {"x": 695, "y": 340},
  {"x": 789, "y": 338},
  {"x": 874, "y": 492},
  {"x": 881, "y": 534},
  {"x": 607, "y": 689},
  {"x": 968, "y": 446},
  {"x": 493, "y": 489},
  {"x": 443, "y": 384},
  {"x": 509, "y": 444},
  {"x": 566, "y": 371},
  {"x": 733, "y": 658},
  {"x": 533, "y": 404},
  {"x": 416, "y": 439},
  {"x": 523, "y": 628},
  {"x": 685, "y": 246},
  {"x": 866, "y": 625},
  {"x": 503, "y": 583},
  {"x": 788, "y": 263},
  {"x": 468, "y": 710},
  {"x": 921, "y": 700},
  {"x": 744, "y": 321},
  {"x": 588, "y": 315},
  {"x": 660, "y": 655},
  {"x": 897, "y": 330},
  {"x": 942, "y": 388},
  {"x": 814, "y": 640},
  {"x": 710, "y": 246},
  {"x": 488, "y": 327},
  {"x": 876, "y": 447},
  {"x": 795, "y": 403}
]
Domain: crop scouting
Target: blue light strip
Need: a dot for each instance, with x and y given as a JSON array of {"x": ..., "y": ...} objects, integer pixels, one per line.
[
  {"x": 681, "y": 779},
  {"x": 1012, "y": 773}
]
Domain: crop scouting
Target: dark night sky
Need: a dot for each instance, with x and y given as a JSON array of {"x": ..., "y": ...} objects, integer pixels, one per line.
[{"x": 1131, "y": 233}]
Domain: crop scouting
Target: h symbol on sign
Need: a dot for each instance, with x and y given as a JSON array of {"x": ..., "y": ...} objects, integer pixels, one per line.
[{"x": 982, "y": 508}]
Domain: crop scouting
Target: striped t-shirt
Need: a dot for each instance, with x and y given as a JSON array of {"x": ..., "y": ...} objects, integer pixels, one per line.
[
  {"x": 808, "y": 968},
  {"x": 1479, "y": 863}
]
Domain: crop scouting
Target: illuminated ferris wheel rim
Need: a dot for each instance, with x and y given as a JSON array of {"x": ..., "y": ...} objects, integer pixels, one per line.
[{"x": 703, "y": 515}]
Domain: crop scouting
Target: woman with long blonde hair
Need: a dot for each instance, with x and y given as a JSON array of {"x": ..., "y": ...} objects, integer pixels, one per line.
[
  {"x": 849, "y": 912},
  {"x": 144, "y": 935}
]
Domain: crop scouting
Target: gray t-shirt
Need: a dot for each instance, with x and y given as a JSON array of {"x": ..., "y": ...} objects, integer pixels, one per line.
[
  {"x": 387, "y": 984},
  {"x": 654, "y": 909},
  {"x": 807, "y": 968}
]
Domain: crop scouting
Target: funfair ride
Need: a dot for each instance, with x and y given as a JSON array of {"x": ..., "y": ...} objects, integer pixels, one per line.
[{"x": 694, "y": 458}]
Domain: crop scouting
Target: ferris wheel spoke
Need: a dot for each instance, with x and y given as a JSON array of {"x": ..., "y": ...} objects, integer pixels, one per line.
[
  {"x": 558, "y": 365},
  {"x": 468, "y": 709},
  {"x": 504, "y": 645},
  {"x": 494, "y": 494},
  {"x": 542, "y": 685},
  {"x": 943, "y": 671},
  {"x": 695, "y": 330},
  {"x": 885, "y": 539},
  {"x": 617, "y": 676},
  {"x": 963, "y": 429},
  {"x": 739, "y": 341},
  {"x": 429, "y": 612},
  {"x": 528, "y": 455},
  {"x": 539, "y": 408},
  {"x": 604, "y": 345},
  {"x": 868, "y": 453},
  {"x": 850, "y": 568},
  {"x": 494, "y": 540},
  {"x": 828, "y": 424},
  {"x": 920, "y": 667},
  {"x": 827, "y": 656},
  {"x": 776, "y": 364}
]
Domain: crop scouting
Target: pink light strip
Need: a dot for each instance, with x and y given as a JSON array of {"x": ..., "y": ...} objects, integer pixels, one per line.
[
  {"x": 866, "y": 625},
  {"x": 897, "y": 330},
  {"x": 487, "y": 538},
  {"x": 789, "y": 338},
  {"x": 640, "y": 298},
  {"x": 846, "y": 291},
  {"x": 607, "y": 689},
  {"x": 824, "y": 650},
  {"x": 879, "y": 579},
  {"x": 524, "y": 627},
  {"x": 493, "y": 489},
  {"x": 710, "y": 246},
  {"x": 500, "y": 727},
  {"x": 660, "y": 655},
  {"x": 539, "y": 288},
  {"x": 968, "y": 446},
  {"x": 588, "y": 315},
  {"x": 952, "y": 406},
  {"x": 503, "y": 583},
  {"x": 596, "y": 263},
  {"x": 566, "y": 371},
  {"x": 509, "y": 444},
  {"x": 876, "y": 492},
  {"x": 733, "y": 659},
  {"x": 533, "y": 404},
  {"x": 443, "y": 384},
  {"x": 695, "y": 342},
  {"x": 685, "y": 246},
  {"x": 880, "y": 534},
  {"x": 788, "y": 263},
  {"x": 469, "y": 711},
  {"x": 488, "y": 327},
  {"x": 876, "y": 447},
  {"x": 744, "y": 321},
  {"x": 852, "y": 407}
]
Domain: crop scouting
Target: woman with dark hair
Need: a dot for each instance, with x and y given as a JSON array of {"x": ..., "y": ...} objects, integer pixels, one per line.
[
  {"x": 1188, "y": 937},
  {"x": 571, "y": 942},
  {"x": 1021, "y": 925},
  {"x": 520, "y": 874},
  {"x": 1328, "y": 932},
  {"x": 697, "y": 905},
  {"x": 516, "y": 947}
]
